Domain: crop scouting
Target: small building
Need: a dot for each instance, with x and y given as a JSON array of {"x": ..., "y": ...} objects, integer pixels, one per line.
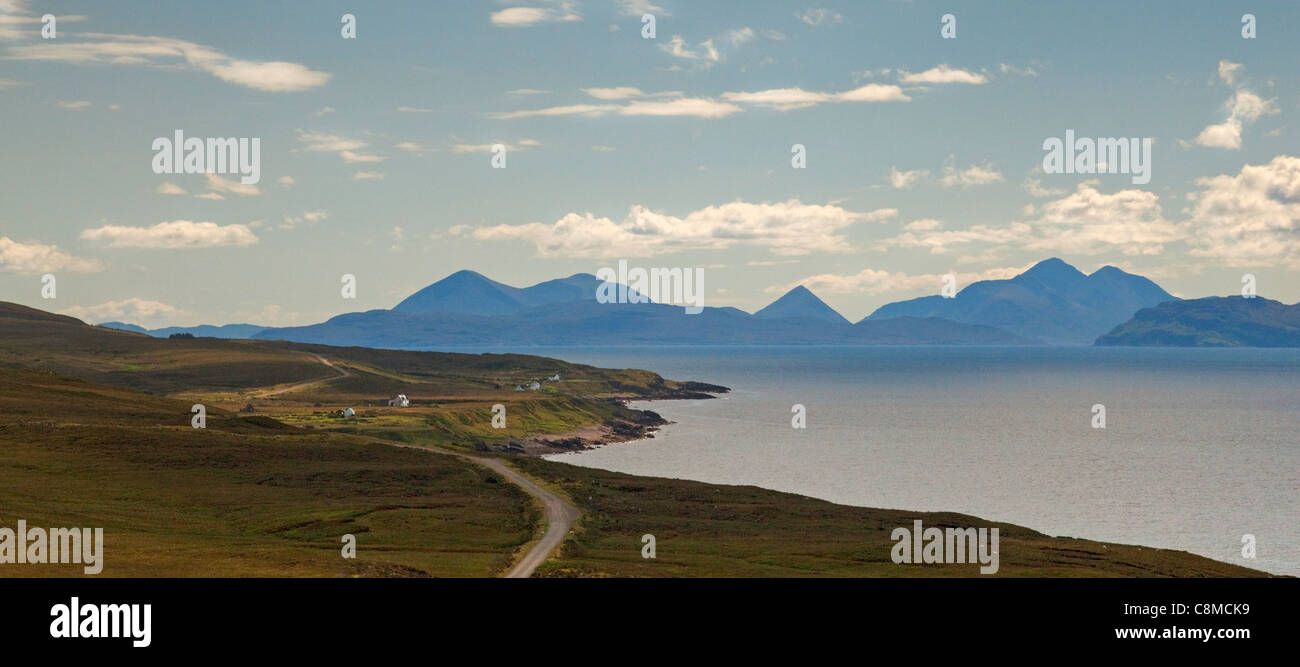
[
  {"x": 519, "y": 387},
  {"x": 349, "y": 412},
  {"x": 535, "y": 386},
  {"x": 401, "y": 401},
  {"x": 554, "y": 378}
]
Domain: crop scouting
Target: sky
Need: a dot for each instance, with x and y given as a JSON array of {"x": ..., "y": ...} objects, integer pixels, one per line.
[{"x": 922, "y": 155}]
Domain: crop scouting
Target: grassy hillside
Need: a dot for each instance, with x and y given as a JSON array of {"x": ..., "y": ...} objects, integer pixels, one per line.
[{"x": 243, "y": 497}]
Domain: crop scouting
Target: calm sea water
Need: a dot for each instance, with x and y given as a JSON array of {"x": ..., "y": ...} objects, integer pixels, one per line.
[{"x": 1201, "y": 446}]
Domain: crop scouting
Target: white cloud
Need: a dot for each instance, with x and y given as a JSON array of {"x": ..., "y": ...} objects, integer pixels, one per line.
[
  {"x": 166, "y": 53},
  {"x": 1250, "y": 218},
  {"x": 785, "y": 228},
  {"x": 879, "y": 281},
  {"x": 1224, "y": 135},
  {"x": 589, "y": 110},
  {"x": 1085, "y": 222},
  {"x": 132, "y": 311},
  {"x": 524, "y": 17},
  {"x": 406, "y": 109},
  {"x": 1244, "y": 107},
  {"x": 6, "y": 84},
  {"x": 218, "y": 184},
  {"x": 976, "y": 174},
  {"x": 309, "y": 217},
  {"x": 615, "y": 93},
  {"x": 923, "y": 225},
  {"x": 942, "y": 74},
  {"x": 75, "y": 106},
  {"x": 169, "y": 189},
  {"x": 522, "y": 144},
  {"x": 677, "y": 48},
  {"x": 1035, "y": 188},
  {"x": 638, "y": 8},
  {"x": 352, "y": 157},
  {"x": 413, "y": 147},
  {"x": 739, "y": 36},
  {"x": 173, "y": 235},
  {"x": 527, "y": 91},
  {"x": 368, "y": 176},
  {"x": 905, "y": 179},
  {"x": 684, "y": 106},
  {"x": 345, "y": 147},
  {"x": 1228, "y": 71},
  {"x": 37, "y": 258},
  {"x": 322, "y": 112},
  {"x": 1018, "y": 71},
  {"x": 786, "y": 99},
  {"x": 210, "y": 195},
  {"x": 873, "y": 92},
  {"x": 819, "y": 17},
  {"x": 781, "y": 99},
  {"x": 285, "y": 181}
]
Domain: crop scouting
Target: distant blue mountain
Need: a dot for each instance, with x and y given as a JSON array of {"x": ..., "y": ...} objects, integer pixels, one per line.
[
  {"x": 201, "y": 331},
  {"x": 474, "y": 293},
  {"x": 1211, "y": 322},
  {"x": 1052, "y": 302},
  {"x": 467, "y": 308},
  {"x": 800, "y": 302}
]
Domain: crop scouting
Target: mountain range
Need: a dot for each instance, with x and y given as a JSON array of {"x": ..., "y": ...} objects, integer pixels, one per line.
[{"x": 1050, "y": 303}]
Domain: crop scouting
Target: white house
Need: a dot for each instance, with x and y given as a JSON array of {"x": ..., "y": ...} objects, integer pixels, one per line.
[
  {"x": 519, "y": 387},
  {"x": 349, "y": 412},
  {"x": 535, "y": 386},
  {"x": 554, "y": 378},
  {"x": 400, "y": 402}
]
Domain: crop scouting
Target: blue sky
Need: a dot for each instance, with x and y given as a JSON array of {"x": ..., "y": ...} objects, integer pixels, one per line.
[{"x": 924, "y": 154}]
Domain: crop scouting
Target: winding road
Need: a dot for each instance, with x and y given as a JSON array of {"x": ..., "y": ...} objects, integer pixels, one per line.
[{"x": 560, "y": 513}]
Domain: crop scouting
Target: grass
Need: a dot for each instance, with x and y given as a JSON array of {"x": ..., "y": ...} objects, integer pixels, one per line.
[{"x": 240, "y": 498}]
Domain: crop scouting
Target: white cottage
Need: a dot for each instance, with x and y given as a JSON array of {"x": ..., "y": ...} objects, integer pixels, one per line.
[
  {"x": 349, "y": 412},
  {"x": 400, "y": 402},
  {"x": 535, "y": 386}
]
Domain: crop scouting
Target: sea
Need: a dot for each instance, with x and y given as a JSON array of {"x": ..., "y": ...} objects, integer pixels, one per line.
[{"x": 1200, "y": 449}]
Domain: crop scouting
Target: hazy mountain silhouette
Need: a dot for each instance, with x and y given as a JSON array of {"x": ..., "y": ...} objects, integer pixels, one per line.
[
  {"x": 202, "y": 330},
  {"x": 467, "y": 308},
  {"x": 800, "y": 302},
  {"x": 1052, "y": 302},
  {"x": 1214, "y": 321}
]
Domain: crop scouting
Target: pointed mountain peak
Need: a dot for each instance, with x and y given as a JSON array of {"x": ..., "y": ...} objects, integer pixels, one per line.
[{"x": 800, "y": 302}]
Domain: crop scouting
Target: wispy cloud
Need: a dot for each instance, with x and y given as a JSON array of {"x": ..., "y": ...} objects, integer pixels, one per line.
[
  {"x": 166, "y": 53},
  {"x": 176, "y": 234},
  {"x": 784, "y": 228},
  {"x": 1244, "y": 108},
  {"x": 819, "y": 17},
  {"x": 524, "y": 17},
  {"x": 942, "y": 74},
  {"x": 37, "y": 258},
  {"x": 132, "y": 311}
]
